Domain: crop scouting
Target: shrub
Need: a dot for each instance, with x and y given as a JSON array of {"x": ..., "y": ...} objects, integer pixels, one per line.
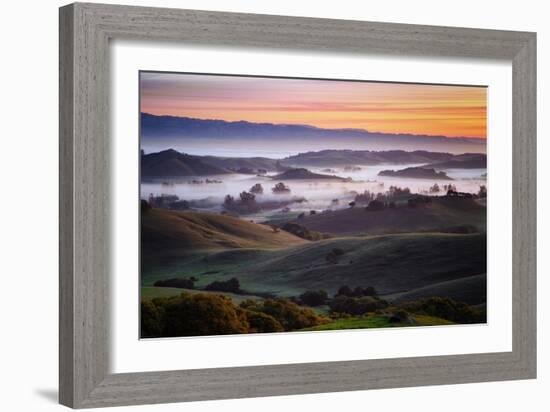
[
  {"x": 290, "y": 315},
  {"x": 314, "y": 297},
  {"x": 399, "y": 316},
  {"x": 151, "y": 320},
  {"x": 192, "y": 315},
  {"x": 262, "y": 323}
]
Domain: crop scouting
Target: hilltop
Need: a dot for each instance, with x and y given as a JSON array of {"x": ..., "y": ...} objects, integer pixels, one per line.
[
  {"x": 173, "y": 163},
  {"x": 339, "y": 158},
  {"x": 304, "y": 174},
  {"x": 167, "y": 230},
  {"x": 463, "y": 161},
  {"x": 416, "y": 173}
]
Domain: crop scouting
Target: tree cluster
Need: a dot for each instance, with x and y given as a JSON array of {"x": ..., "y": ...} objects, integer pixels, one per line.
[
  {"x": 176, "y": 283},
  {"x": 231, "y": 285}
]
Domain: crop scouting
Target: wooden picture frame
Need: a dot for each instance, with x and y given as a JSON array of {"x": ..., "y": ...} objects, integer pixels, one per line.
[{"x": 85, "y": 32}]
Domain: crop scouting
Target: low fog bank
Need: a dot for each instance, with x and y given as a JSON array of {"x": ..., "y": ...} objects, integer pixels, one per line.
[{"x": 209, "y": 194}]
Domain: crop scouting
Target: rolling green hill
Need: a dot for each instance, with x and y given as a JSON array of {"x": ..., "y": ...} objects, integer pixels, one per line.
[
  {"x": 151, "y": 292},
  {"x": 163, "y": 230},
  {"x": 471, "y": 290},
  {"x": 390, "y": 263},
  {"x": 169, "y": 236}
]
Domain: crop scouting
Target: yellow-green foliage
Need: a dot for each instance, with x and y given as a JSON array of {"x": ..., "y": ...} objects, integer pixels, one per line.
[
  {"x": 290, "y": 315},
  {"x": 202, "y": 314},
  {"x": 192, "y": 315}
]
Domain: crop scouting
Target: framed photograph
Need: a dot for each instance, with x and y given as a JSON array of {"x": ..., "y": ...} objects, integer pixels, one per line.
[{"x": 257, "y": 205}]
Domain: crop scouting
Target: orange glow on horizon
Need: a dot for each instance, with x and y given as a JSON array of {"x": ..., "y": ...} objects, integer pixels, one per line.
[{"x": 453, "y": 111}]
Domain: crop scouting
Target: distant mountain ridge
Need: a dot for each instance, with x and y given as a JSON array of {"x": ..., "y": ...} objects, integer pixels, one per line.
[
  {"x": 171, "y": 163},
  {"x": 154, "y": 127},
  {"x": 325, "y": 158}
]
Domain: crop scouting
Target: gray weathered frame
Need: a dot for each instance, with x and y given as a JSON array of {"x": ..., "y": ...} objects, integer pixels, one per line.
[{"x": 85, "y": 31}]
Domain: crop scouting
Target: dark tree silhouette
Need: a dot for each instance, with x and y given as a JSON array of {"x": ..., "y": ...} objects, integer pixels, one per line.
[
  {"x": 280, "y": 188},
  {"x": 257, "y": 189}
]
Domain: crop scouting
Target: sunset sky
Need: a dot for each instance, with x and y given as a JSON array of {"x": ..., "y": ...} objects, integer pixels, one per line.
[{"x": 378, "y": 107}]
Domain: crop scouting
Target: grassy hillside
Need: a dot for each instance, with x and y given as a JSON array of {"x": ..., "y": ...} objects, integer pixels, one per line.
[
  {"x": 166, "y": 229},
  {"x": 442, "y": 214},
  {"x": 172, "y": 163},
  {"x": 169, "y": 236},
  {"x": 471, "y": 290},
  {"x": 151, "y": 292},
  {"x": 390, "y": 263}
]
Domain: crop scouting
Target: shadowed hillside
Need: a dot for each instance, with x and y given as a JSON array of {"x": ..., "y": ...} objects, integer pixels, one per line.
[
  {"x": 471, "y": 290},
  {"x": 462, "y": 161},
  {"x": 172, "y": 163},
  {"x": 391, "y": 263},
  {"x": 443, "y": 214},
  {"x": 166, "y": 229},
  {"x": 304, "y": 174}
]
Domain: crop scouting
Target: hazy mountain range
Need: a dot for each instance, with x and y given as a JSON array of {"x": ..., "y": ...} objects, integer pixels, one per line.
[
  {"x": 163, "y": 132},
  {"x": 171, "y": 163}
]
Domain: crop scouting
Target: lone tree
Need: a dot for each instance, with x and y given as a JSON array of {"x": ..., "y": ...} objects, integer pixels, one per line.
[
  {"x": 257, "y": 189},
  {"x": 280, "y": 188},
  {"x": 435, "y": 188}
]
